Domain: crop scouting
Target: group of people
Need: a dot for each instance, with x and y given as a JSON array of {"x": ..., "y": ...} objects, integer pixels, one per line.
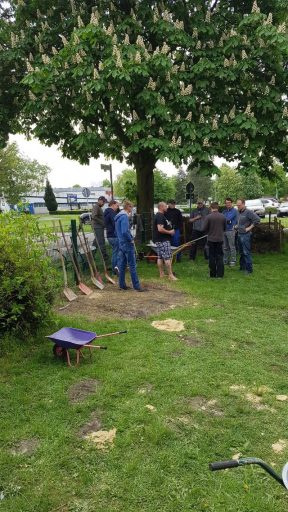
[{"x": 216, "y": 233}]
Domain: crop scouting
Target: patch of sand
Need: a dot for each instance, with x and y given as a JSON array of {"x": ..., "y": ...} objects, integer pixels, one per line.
[
  {"x": 169, "y": 325},
  {"x": 150, "y": 408},
  {"x": 237, "y": 387},
  {"x": 25, "y": 447},
  {"x": 280, "y": 446},
  {"x": 81, "y": 390},
  {"x": 281, "y": 398},
  {"x": 103, "y": 439}
]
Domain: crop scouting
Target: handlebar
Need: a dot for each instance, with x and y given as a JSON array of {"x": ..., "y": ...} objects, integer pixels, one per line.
[
  {"x": 224, "y": 464},
  {"x": 228, "y": 464}
]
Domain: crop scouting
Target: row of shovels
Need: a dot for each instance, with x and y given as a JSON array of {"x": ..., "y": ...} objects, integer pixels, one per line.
[{"x": 96, "y": 278}]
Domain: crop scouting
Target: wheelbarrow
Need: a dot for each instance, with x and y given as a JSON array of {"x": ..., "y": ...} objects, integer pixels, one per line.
[
  {"x": 228, "y": 464},
  {"x": 76, "y": 339}
]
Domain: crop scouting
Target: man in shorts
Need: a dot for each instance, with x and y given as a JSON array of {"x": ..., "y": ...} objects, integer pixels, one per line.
[{"x": 162, "y": 237}]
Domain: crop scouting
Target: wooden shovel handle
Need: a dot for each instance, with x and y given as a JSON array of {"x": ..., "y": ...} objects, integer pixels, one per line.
[{"x": 69, "y": 252}]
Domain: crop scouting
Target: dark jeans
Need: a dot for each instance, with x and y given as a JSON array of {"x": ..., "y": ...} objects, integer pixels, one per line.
[
  {"x": 244, "y": 241},
  {"x": 99, "y": 234},
  {"x": 175, "y": 241},
  {"x": 201, "y": 244},
  {"x": 126, "y": 256},
  {"x": 115, "y": 249},
  {"x": 216, "y": 263}
]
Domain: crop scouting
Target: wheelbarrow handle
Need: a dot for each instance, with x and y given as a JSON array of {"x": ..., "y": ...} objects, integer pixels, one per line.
[
  {"x": 224, "y": 464},
  {"x": 110, "y": 334}
]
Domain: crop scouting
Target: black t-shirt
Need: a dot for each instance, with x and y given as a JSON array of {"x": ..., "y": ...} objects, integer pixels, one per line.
[{"x": 161, "y": 220}]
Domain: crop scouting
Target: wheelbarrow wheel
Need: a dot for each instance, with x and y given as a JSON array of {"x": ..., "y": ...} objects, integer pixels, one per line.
[{"x": 59, "y": 351}]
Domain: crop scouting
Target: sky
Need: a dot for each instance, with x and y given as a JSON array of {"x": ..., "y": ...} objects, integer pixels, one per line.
[{"x": 66, "y": 173}]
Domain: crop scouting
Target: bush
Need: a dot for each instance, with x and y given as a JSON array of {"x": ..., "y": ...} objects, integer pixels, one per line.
[{"x": 28, "y": 282}]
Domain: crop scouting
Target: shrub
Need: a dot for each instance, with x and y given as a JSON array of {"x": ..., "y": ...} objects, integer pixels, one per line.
[
  {"x": 27, "y": 278},
  {"x": 69, "y": 212},
  {"x": 49, "y": 198}
]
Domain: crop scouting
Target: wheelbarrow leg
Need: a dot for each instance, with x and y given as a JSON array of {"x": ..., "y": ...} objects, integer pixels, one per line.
[
  {"x": 78, "y": 352},
  {"x": 68, "y": 357}
]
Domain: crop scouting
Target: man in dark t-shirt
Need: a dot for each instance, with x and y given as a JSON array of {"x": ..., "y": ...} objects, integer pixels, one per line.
[
  {"x": 175, "y": 216},
  {"x": 162, "y": 233},
  {"x": 215, "y": 224}
]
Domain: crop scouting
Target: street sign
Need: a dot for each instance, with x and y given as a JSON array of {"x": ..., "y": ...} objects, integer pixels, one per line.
[
  {"x": 71, "y": 198},
  {"x": 106, "y": 167},
  {"x": 86, "y": 192},
  {"x": 189, "y": 188},
  {"x": 190, "y": 196}
]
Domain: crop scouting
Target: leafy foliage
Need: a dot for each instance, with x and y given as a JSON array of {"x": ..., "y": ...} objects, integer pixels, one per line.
[
  {"x": 19, "y": 175},
  {"x": 232, "y": 184},
  {"x": 28, "y": 283},
  {"x": 125, "y": 186},
  {"x": 49, "y": 198},
  {"x": 150, "y": 80}
]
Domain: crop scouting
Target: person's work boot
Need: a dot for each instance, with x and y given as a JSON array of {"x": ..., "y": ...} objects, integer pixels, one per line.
[{"x": 141, "y": 290}]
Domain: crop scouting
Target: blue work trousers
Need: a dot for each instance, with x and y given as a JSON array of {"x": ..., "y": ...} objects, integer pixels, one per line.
[
  {"x": 126, "y": 256},
  {"x": 115, "y": 249},
  {"x": 244, "y": 241},
  {"x": 175, "y": 242}
]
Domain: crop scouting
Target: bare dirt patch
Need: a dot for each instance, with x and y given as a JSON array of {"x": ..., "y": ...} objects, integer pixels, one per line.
[
  {"x": 200, "y": 403},
  {"x": 280, "y": 446},
  {"x": 93, "y": 425},
  {"x": 81, "y": 390},
  {"x": 168, "y": 325},
  {"x": 125, "y": 304},
  {"x": 144, "y": 390},
  {"x": 190, "y": 341},
  {"x": 25, "y": 447}
]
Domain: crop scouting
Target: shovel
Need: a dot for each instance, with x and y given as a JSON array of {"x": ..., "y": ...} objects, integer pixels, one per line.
[
  {"x": 69, "y": 294},
  {"x": 93, "y": 278},
  {"x": 109, "y": 279},
  {"x": 92, "y": 261},
  {"x": 84, "y": 289}
]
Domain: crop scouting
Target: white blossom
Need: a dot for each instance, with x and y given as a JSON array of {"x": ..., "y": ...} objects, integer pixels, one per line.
[
  {"x": 208, "y": 17},
  {"x": 126, "y": 39},
  {"x": 255, "y": 8},
  {"x": 201, "y": 120},
  {"x": 225, "y": 119},
  {"x": 64, "y": 40},
  {"x": 151, "y": 84},
  {"x": 45, "y": 59},
  {"x": 189, "y": 116},
  {"x": 54, "y": 50},
  {"x": 32, "y": 96},
  {"x": 161, "y": 132},
  {"x": 273, "y": 80},
  {"x": 30, "y": 68},
  {"x": 244, "y": 55},
  {"x": 80, "y": 22},
  {"x": 135, "y": 116},
  {"x": 165, "y": 48},
  {"x": 138, "y": 58},
  {"x": 195, "y": 32},
  {"x": 282, "y": 28},
  {"x": 198, "y": 45},
  {"x": 95, "y": 74},
  {"x": 206, "y": 142},
  {"x": 285, "y": 112},
  {"x": 94, "y": 19},
  {"x": 226, "y": 63},
  {"x": 214, "y": 124}
]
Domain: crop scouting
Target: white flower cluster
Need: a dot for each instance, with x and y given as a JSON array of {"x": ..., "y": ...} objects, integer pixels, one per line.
[
  {"x": 30, "y": 68},
  {"x": 161, "y": 132},
  {"x": 80, "y": 22},
  {"x": 14, "y": 40},
  {"x": 206, "y": 142},
  {"x": 201, "y": 120},
  {"x": 246, "y": 143},
  {"x": 208, "y": 17},
  {"x": 165, "y": 48},
  {"x": 282, "y": 28},
  {"x": 94, "y": 20},
  {"x": 185, "y": 91},
  {"x": 151, "y": 84},
  {"x": 195, "y": 32},
  {"x": 269, "y": 20},
  {"x": 255, "y": 8},
  {"x": 175, "y": 69},
  {"x": 179, "y": 25},
  {"x": 110, "y": 30},
  {"x": 232, "y": 112},
  {"x": 206, "y": 109},
  {"x": 285, "y": 112},
  {"x": 162, "y": 100},
  {"x": 233, "y": 32},
  {"x": 267, "y": 90},
  {"x": 168, "y": 76},
  {"x": 214, "y": 124},
  {"x": 95, "y": 74},
  {"x": 211, "y": 44},
  {"x": 189, "y": 116},
  {"x": 88, "y": 96},
  {"x": 138, "y": 58},
  {"x": 54, "y": 50},
  {"x": 126, "y": 39},
  {"x": 31, "y": 58},
  {"x": 273, "y": 80},
  {"x": 244, "y": 55},
  {"x": 135, "y": 116},
  {"x": 198, "y": 45},
  {"x": 32, "y": 96},
  {"x": 140, "y": 41},
  {"x": 78, "y": 58},
  {"x": 45, "y": 59},
  {"x": 261, "y": 43},
  {"x": 64, "y": 40},
  {"x": 178, "y": 118},
  {"x": 226, "y": 63},
  {"x": 245, "y": 39},
  {"x": 237, "y": 136},
  {"x": 225, "y": 119},
  {"x": 248, "y": 111},
  {"x": 166, "y": 16}
]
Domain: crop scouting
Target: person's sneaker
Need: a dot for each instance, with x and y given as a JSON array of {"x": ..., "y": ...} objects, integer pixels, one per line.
[
  {"x": 125, "y": 288},
  {"x": 116, "y": 271},
  {"x": 141, "y": 290}
]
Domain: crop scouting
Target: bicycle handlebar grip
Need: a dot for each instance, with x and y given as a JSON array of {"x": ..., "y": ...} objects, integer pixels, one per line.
[{"x": 224, "y": 464}]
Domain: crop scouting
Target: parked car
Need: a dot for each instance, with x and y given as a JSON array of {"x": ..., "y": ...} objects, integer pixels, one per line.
[
  {"x": 85, "y": 218},
  {"x": 270, "y": 202},
  {"x": 283, "y": 210},
  {"x": 256, "y": 206}
]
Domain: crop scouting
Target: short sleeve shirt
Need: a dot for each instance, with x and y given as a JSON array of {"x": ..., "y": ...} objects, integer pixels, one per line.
[{"x": 160, "y": 220}]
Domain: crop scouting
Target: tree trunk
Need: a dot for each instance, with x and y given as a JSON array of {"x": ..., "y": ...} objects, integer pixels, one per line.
[{"x": 144, "y": 165}]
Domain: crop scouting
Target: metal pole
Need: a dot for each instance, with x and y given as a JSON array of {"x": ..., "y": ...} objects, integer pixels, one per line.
[
  {"x": 111, "y": 182},
  {"x": 190, "y": 203}
]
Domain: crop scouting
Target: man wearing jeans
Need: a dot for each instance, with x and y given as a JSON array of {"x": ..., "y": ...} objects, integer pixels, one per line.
[
  {"x": 126, "y": 254},
  {"x": 197, "y": 219},
  {"x": 109, "y": 219},
  {"x": 246, "y": 222},
  {"x": 230, "y": 214},
  {"x": 174, "y": 216},
  {"x": 214, "y": 224}
]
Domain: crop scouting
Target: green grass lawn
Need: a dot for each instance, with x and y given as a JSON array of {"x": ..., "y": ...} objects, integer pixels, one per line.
[{"x": 160, "y": 457}]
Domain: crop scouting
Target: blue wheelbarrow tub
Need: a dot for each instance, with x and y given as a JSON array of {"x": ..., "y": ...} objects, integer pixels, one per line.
[{"x": 68, "y": 337}]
